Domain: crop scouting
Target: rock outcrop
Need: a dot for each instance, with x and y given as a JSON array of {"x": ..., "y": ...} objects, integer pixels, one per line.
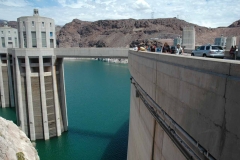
[
  {"x": 14, "y": 144},
  {"x": 235, "y": 24},
  {"x": 122, "y": 33}
]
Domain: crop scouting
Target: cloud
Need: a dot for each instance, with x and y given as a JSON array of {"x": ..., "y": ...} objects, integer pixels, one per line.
[
  {"x": 141, "y": 5},
  {"x": 199, "y": 12},
  {"x": 17, "y": 3},
  {"x": 80, "y": 4}
]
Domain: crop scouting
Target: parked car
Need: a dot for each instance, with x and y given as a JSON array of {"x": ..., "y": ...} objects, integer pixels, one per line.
[{"x": 209, "y": 51}]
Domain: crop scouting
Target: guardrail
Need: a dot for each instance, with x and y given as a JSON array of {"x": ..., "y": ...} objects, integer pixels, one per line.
[{"x": 190, "y": 148}]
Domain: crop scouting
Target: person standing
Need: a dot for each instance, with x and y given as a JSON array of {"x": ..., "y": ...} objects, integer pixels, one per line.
[
  {"x": 153, "y": 48},
  {"x": 179, "y": 49}
]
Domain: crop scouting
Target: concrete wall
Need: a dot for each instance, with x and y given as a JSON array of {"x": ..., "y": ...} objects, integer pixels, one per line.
[
  {"x": 10, "y": 37},
  {"x": 92, "y": 52},
  {"x": 36, "y": 25},
  {"x": 147, "y": 140},
  {"x": 188, "y": 37},
  {"x": 4, "y": 81},
  {"x": 201, "y": 95},
  {"x": 230, "y": 41},
  {"x": 40, "y": 115}
]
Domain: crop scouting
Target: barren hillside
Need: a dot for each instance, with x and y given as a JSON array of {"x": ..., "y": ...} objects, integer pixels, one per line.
[{"x": 120, "y": 33}]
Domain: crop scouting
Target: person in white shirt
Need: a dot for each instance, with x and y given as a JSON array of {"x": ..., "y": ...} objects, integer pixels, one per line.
[{"x": 179, "y": 49}]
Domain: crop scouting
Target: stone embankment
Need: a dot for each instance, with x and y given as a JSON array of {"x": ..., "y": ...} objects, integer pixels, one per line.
[{"x": 14, "y": 144}]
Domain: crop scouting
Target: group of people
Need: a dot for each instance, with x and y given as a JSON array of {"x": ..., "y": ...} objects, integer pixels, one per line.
[
  {"x": 151, "y": 48},
  {"x": 164, "y": 49}
]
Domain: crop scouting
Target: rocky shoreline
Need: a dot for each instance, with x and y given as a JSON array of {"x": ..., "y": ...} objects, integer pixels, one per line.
[{"x": 14, "y": 144}]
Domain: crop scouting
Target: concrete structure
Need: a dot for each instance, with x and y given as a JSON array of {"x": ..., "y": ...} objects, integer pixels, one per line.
[
  {"x": 173, "y": 97},
  {"x": 91, "y": 52},
  {"x": 9, "y": 37},
  {"x": 36, "y": 31},
  {"x": 221, "y": 41},
  {"x": 40, "y": 88},
  {"x": 40, "y": 92},
  {"x": 37, "y": 78},
  {"x": 230, "y": 41},
  {"x": 6, "y": 88},
  {"x": 168, "y": 41},
  {"x": 177, "y": 40},
  {"x": 188, "y": 37}
]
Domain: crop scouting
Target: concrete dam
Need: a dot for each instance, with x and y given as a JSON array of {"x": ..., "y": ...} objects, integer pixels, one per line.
[{"x": 183, "y": 107}]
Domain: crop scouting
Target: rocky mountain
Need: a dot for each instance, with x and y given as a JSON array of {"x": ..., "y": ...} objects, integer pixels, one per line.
[
  {"x": 235, "y": 24},
  {"x": 12, "y": 24},
  {"x": 126, "y": 32},
  {"x": 122, "y": 33}
]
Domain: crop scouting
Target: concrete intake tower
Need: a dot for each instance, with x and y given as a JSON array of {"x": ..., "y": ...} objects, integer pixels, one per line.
[{"x": 36, "y": 79}]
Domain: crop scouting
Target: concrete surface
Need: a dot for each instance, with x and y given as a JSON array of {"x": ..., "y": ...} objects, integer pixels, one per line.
[
  {"x": 92, "y": 52},
  {"x": 200, "y": 94}
]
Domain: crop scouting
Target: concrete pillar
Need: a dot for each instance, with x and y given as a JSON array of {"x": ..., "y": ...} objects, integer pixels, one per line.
[
  {"x": 1, "y": 42},
  {"x": 15, "y": 90},
  {"x": 2, "y": 86},
  {"x": 21, "y": 39},
  {"x": 29, "y": 99},
  {"x": 10, "y": 82},
  {"x": 19, "y": 94},
  {"x": 47, "y": 30},
  {"x": 43, "y": 98},
  {"x": 56, "y": 101},
  {"x": 63, "y": 95},
  {"x": 38, "y": 34},
  {"x": 28, "y": 34}
]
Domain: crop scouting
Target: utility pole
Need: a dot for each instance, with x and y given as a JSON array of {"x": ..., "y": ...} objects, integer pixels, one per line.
[{"x": 152, "y": 15}]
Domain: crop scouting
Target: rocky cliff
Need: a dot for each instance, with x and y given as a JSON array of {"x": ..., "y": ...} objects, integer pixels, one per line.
[
  {"x": 14, "y": 144},
  {"x": 121, "y": 33}
]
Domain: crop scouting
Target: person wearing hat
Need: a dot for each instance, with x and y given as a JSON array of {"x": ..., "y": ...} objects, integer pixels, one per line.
[{"x": 179, "y": 49}]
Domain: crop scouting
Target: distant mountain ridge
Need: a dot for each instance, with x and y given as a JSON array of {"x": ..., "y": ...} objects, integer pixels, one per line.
[
  {"x": 121, "y": 33},
  {"x": 12, "y": 24}
]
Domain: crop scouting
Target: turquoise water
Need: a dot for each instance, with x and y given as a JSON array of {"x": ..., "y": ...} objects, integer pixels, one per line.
[{"x": 98, "y": 113}]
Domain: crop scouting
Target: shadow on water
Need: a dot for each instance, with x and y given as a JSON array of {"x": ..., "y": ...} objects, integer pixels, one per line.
[
  {"x": 117, "y": 148},
  {"x": 90, "y": 133}
]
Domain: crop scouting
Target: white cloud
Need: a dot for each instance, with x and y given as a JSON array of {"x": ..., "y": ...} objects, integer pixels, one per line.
[
  {"x": 141, "y": 5},
  {"x": 17, "y": 3},
  {"x": 211, "y": 13}
]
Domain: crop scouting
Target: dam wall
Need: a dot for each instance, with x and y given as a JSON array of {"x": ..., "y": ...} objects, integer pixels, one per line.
[
  {"x": 201, "y": 95},
  {"x": 91, "y": 52}
]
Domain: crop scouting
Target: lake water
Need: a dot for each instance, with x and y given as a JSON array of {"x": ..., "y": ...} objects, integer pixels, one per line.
[{"x": 98, "y": 96}]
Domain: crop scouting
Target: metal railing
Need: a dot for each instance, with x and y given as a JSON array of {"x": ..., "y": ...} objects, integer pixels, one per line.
[{"x": 190, "y": 148}]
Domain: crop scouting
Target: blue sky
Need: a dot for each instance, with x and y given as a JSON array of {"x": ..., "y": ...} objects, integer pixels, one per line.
[{"x": 209, "y": 13}]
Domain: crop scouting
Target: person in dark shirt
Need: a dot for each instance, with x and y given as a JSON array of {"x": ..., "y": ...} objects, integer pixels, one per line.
[{"x": 153, "y": 48}]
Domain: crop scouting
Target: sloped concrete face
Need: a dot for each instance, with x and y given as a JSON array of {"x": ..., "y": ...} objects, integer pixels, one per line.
[{"x": 201, "y": 95}]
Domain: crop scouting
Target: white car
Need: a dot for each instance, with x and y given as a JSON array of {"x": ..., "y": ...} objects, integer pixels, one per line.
[{"x": 209, "y": 51}]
